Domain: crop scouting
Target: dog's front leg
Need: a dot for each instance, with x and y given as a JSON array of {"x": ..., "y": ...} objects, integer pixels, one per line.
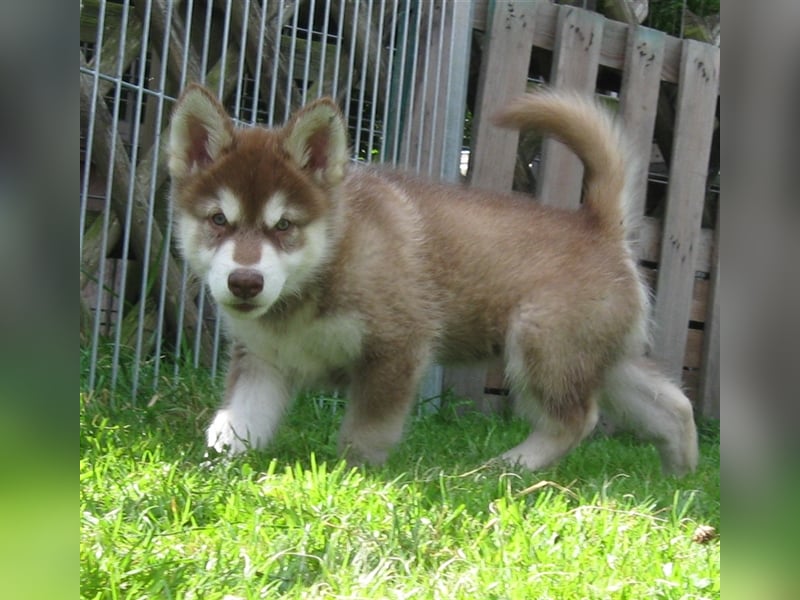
[
  {"x": 256, "y": 396},
  {"x": 380, "y": 398}
]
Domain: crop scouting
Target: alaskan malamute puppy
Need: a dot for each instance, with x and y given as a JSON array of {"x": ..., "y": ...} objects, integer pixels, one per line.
[{"x": 331, "y": 273}]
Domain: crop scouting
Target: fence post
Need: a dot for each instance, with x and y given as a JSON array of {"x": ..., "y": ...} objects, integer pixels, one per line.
[{"x": 694, "y": 128}]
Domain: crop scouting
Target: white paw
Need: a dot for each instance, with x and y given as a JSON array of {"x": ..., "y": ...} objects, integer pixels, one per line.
[{"x": 226, "y": 435}]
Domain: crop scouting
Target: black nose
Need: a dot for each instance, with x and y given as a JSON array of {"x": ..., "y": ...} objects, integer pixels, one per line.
[{"x": 245, "y": 283}]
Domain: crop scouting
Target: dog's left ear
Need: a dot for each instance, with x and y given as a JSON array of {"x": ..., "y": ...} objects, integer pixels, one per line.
[
  {"x": 316, "y": 139},
  {"x": 200, "y": 132}
]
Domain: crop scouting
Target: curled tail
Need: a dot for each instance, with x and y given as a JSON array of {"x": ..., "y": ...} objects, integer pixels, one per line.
[{"x": 591, "y": 132}]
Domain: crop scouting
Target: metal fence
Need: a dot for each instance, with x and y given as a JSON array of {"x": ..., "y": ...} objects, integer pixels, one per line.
[{"x": 398, "y": 68}]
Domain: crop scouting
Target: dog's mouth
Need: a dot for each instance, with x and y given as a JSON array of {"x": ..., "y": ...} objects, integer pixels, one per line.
[
  {"x": 243, "y": 307},
  {"x": 240, "y": 308}
]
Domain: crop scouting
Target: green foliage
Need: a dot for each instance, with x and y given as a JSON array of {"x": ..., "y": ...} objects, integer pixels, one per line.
[
  {"x": 667, "y": 15},
  {"x": 158, "y": 520}
]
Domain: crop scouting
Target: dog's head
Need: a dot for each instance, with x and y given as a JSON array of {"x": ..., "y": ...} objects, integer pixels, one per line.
[{"x": 254, "y": 207}]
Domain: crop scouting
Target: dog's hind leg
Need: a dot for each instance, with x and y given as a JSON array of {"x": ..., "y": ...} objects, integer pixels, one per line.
[
  {"x": 553, "y": 393},
  {"x": 640, "y": 397},
  {"x": 554, "y": 433}
]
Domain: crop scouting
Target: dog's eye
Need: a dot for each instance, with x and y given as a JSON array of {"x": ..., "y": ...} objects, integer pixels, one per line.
[
  {"x": 219, "y": 219},
  {"x": 283, "y": 225}
]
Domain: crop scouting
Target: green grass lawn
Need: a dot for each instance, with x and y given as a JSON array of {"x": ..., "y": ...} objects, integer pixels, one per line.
[{"x": 437, "y": 521}]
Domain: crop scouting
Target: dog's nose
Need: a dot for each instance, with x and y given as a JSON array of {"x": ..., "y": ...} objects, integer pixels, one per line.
[{"x": 245, "y": 283}]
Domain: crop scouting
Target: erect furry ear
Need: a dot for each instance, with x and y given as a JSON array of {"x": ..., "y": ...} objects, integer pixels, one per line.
[
  {"x": 317, "y": 140},
  {"x": 200, "y": 131}
]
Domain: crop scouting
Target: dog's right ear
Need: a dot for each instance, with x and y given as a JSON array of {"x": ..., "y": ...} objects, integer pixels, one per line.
[{"x": 200, "y": 132}]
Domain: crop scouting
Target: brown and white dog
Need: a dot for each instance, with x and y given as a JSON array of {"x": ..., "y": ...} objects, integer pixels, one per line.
[{"x": 329, "y": 273}]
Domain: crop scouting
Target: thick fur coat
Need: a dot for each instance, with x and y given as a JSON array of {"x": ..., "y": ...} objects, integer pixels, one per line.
[{"x": 334, "y": 274}]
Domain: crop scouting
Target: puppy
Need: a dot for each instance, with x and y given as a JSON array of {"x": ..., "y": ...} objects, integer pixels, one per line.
[{"x": 335, "y": 274}]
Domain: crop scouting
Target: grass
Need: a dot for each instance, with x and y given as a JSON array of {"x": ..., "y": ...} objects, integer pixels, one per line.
[{"x": 437, "y": 521}]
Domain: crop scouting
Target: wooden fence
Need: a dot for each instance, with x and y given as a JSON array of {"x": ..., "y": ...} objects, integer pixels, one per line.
[
  {"x": 678, "y": 256},
  {"x": 665, "y": 89}
]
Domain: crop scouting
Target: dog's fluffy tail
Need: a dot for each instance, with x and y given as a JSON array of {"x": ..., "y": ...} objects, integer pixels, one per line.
[{"x": 591, "y": 132}]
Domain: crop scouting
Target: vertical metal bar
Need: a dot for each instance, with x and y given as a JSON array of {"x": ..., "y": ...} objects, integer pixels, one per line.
[
  {"x": 457, "y": 82},
  {"x": 187, "y": 41},
  {"x": 411, "y": 92},
  {"x": 226, "y": 27},
  {"x": 165, "y": 251},
  {"x": 376, "y": 84},
  {"x": 400, "y": 91},
  {"x": 110, "y": 178},
  {"x": 425, "y": 71},
  {"x": 351, "y": 61},
  {"x": 338, "y": 58},
  {"x": 198, "y": 333},
  {"x": 436, "y": 89},
  {"x": 324, "y": 50},
  {"x": 237, "y": 110},
  {"x": 128, "y": 225},
  {"x": 181, "y": 313},
  {"x": 273, "y": 88},
  {"x": 87, "y": 169},
  {"x": 198, "y": 330},
  {"x": 215, "y": 346},
  {"x": 259, "y": 61},
  {"x": 307, "y": 66},
  {"x": 179, "y": 337},
  {"x": 362, "y": 84},
  {"x": 388, "y": 89},
  {"x": 290, "y": 71}
]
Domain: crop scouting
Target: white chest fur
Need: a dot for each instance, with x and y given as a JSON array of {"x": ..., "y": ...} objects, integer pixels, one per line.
[{"x": 306, "y": 348}]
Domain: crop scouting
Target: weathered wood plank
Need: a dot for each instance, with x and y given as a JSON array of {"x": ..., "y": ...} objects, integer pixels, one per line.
[
  {"x": 694, "y": 127},
  {"x": 575, "y": 65},
  {"x": 110, "y": 62},
  {"x": 160, "y": 16},
  {"x": 641, "y": 79},
  {"x": 708, "y": 391},
  {"x": 700, "y": 294},
  {"x": 504, "y": 71},
  {"x": 470, "y": 382},
  {"x": 649, "y": 248},
  {"x": 612, "y": 52},
  {"x": 92, "y": 242}
]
